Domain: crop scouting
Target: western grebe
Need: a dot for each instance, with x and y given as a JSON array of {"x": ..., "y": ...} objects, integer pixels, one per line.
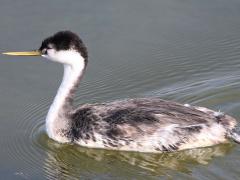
[{"x": 144, "y": 124}]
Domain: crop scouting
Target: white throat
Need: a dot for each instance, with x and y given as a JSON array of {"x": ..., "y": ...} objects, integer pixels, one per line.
[{"x": 58, "y": 123}]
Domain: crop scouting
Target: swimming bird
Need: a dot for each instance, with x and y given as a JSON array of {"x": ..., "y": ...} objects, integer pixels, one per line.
[{"x": 141, "y": 124}]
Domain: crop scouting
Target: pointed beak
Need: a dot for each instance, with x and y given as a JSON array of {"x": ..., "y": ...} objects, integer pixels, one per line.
[{"x": 23, "y": 53}]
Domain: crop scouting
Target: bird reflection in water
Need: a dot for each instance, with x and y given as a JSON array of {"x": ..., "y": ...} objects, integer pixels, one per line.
[{"x": 64, "y": 161}]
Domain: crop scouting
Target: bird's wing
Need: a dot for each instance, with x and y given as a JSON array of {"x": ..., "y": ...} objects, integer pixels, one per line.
[{"x": 149, "y": 123}]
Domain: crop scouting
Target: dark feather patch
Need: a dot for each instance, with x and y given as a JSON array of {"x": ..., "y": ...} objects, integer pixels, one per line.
[
  {"x": 64, "y": 40},
  {"x": 82, "y": 124},
  {"x": 130, "y": 116},
  {"x": 193, "y": 129}
]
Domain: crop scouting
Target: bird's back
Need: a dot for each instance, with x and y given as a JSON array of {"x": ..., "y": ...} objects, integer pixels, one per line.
[{"x": 148, "y": 125}]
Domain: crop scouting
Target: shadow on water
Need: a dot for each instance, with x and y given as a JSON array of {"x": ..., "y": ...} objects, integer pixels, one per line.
[{"x": 72, "y": 161}]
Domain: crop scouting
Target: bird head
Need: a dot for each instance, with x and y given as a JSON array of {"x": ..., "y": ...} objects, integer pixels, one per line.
[{"x": 64, "y": 47}]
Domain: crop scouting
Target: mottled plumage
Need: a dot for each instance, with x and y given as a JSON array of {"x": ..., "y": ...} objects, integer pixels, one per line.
[
  {"x": 148, "y": 125},
  {"x": 145, "y": 125}
]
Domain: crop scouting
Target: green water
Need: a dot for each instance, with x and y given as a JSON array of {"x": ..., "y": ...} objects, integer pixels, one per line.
[{"x": 180, "y": 50}]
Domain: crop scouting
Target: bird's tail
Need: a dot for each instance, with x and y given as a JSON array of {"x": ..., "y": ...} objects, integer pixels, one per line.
[{"x": 234, "y": 134}]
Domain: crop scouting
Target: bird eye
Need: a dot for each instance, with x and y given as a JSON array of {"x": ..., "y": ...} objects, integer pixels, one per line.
[{"x": 44, "y": 51}]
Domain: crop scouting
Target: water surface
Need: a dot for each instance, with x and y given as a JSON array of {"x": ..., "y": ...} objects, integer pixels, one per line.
[{"x": 180, "y": 50}]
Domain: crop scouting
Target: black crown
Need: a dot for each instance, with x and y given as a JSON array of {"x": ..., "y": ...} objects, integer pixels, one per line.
[{"x": 64, "y": 40}]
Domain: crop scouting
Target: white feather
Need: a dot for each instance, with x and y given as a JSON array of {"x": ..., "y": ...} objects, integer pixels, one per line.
[{"x": 73, "y": 69}]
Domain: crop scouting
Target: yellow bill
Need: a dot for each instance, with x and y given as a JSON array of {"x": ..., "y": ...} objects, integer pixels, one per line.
[{"x": 23, "y": 53}]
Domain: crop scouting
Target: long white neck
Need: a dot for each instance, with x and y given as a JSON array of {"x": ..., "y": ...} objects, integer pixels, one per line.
[{"x": 58, "y": 122}]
